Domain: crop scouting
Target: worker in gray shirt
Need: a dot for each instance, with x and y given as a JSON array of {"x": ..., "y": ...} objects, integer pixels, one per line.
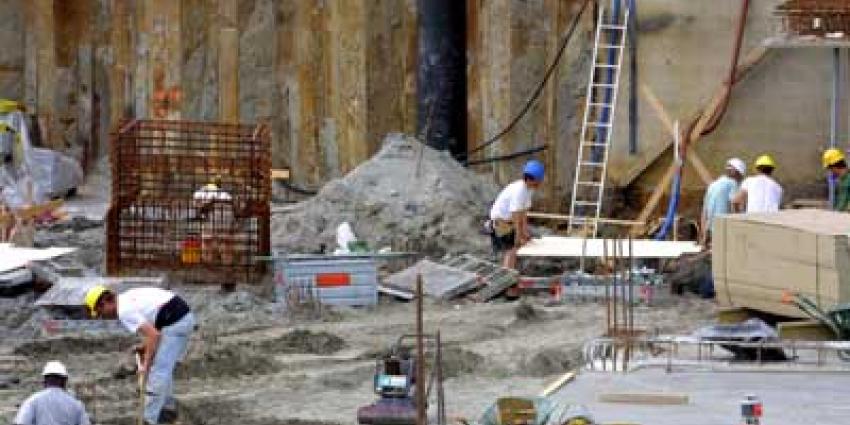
[{"x": 53, "y": 405}]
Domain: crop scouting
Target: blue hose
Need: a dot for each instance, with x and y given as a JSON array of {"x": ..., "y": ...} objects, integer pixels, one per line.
[{"x": 672, "y": 206}]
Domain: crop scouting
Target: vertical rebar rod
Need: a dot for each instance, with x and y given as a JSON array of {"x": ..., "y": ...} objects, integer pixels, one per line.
[
  {"x": 833, "y": 125},
  {"x": 607, "y": 286},
  {"x": 421, "y": 414},
  {"x": 441, "y": 395}
]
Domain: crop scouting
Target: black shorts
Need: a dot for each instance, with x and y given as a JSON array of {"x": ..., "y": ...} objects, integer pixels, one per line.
[{"x": 503, "y": 243}]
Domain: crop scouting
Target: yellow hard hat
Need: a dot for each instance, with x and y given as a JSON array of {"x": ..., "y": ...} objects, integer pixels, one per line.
[
  {"x": 93, "y": 296},
  {"x": 832, "y": 156},
  {"x": 765, "y": 161},
  {"x": 7, "y": 106}
]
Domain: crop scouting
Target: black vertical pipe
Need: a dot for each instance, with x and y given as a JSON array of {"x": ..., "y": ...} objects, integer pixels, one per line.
[
  {"x": 441, "y": 76},
  {"x": 633, "y": 80}
]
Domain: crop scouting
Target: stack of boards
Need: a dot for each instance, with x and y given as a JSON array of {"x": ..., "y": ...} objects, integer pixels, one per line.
[{"x": 758, "y": 257}]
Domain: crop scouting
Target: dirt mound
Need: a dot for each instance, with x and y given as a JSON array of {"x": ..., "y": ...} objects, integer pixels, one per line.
[
  {"x": 302, "y": 341},
  {"x": 66, "y": 346},
  {"x": 551, "y": 361},
  {"x": 407, "y": 196},
  {"x": 232, "y": 360},
  {"x": 526, "y": 313},
  {"x": 457, "y": 362}
]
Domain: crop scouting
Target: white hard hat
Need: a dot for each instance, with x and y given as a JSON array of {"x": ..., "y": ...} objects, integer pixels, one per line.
[
  {"x": 737, "y": 165},
  {"x": 54, "y": 368}
]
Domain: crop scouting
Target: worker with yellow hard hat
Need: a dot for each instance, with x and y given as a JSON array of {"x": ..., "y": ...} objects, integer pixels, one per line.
[
  {"x": 760, "y": 193},
  {"x": 165, "y": 322},
  {"x": 834, "y": 161}
]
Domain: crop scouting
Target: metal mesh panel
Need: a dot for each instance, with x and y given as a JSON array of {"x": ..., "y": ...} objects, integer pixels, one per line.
[
  {"x": 815, "y": 17},
  {"x": 191, "y": 199}
]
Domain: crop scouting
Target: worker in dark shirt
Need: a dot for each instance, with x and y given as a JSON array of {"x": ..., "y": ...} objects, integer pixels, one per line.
[{"x": 834, "y": 161}]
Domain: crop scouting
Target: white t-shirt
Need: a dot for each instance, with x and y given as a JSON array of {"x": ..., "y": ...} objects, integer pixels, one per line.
[
  {"x": 763, "y": 194},
  {"x": 141, "y": 305},
  {"x": 515, "y": 197}
]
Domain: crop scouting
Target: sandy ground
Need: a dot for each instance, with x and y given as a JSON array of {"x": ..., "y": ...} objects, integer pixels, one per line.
[{"x": 250, "y": 363}]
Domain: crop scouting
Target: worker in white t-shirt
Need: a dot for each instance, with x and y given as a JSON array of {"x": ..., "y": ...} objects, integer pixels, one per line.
[
  {"x": 165, "y": 322},
  {"x": 508, "y": 221},
  {"x": 760, "y": 193}
]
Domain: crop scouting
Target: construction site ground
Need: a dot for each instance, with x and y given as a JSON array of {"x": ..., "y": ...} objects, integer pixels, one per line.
[{"x": 252, "y": 364}]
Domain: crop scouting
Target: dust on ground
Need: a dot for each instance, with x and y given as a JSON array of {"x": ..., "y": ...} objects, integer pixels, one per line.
[{"x": 249, "y": 364}]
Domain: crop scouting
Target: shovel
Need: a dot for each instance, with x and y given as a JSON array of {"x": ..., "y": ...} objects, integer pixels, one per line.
[{"x": 142, "y": 382}]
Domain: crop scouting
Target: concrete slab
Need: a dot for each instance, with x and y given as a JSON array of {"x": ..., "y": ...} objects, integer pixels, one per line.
[
  {"x": 714, "y": 397},
  {"x": 439, "y": 281}
]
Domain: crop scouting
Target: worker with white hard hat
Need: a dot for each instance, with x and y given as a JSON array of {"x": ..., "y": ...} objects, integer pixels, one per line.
[
  {"x": 760, "y": 193},
  {"x": 508, "y": 224},
  {"x": 165, "y": 322},
  {"x": 53, "y": 405},
  {"x": 718, "y": 196},
  {"x": 835, "y": 161}
]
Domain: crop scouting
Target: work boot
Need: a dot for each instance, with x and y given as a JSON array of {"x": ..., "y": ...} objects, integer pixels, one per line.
[{"x": 167, "y": 415}]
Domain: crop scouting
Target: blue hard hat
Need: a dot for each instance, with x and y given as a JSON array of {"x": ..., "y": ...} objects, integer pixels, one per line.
[{"x": 534, "y": 169}]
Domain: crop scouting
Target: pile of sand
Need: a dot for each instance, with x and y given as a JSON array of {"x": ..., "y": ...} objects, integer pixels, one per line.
[{"x": 408, "y": 196}]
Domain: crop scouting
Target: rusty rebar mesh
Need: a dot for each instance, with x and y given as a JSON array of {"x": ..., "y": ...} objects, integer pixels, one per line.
[
  {"x": 815, "y": 17},
  {"x": 190, "y": 199}
]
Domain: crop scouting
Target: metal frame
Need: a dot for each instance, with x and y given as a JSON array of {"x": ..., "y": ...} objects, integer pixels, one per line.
[{"x": 158, "y": 222}]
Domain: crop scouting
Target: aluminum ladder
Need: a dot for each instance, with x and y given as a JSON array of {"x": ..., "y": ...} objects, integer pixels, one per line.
[{"x": 598, "y": 124}]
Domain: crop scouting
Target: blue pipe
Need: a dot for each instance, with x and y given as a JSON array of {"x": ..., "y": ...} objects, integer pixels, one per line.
[
  {"x": 601, "y": 132},
  {"x": 672, "y": 206}
]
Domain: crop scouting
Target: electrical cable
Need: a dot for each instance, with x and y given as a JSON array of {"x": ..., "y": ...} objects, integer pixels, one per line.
[
  {"x": 296, "y": 189},
  {"x": 539, "y": 89},
  {"x": 507, "y": 156}
]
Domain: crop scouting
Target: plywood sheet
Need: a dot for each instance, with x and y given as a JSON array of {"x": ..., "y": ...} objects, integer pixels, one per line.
[
  {"x": 565, "y": 247},
  {"x": 438, "y": 281},
  {"x": 12, "y": 257}
]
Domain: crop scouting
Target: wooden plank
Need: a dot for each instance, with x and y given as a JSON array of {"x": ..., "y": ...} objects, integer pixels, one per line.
[
  {"x": 473, "y": 73},
  {"x": 228, "y": 71},
  {"x": 732, "y": 315},
  {"x": 311, "y": 95},
  {"x": 40, "y": 64},
  {"x": 749, "y": 61},
  {"x": 600, "y": 220},
  {"x": 566, "y": 247},
  {"x": 280, "y": 174},
  {"x": 804, "y": 330},
  {"x": 348, "y": 78},
  {"x": 552, "y": 15},
  {"x": 555, "y": 386},
  {"x": 120, "y": 101},
  {"x": 654, "y": 399}
]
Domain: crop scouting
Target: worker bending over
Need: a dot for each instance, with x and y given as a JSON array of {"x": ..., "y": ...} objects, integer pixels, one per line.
[
  {"x": 508, "y": 220},
  {"x": 53, "y": 405},
  {"x": 165, "y": 322},
  {"x": 760, "y": 193},
  {"x": 718, "y": 197},
  {"x": 835, "y": 161}
]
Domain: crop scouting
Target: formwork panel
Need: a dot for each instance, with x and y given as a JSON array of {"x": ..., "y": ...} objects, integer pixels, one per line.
[{"x": 191, "y": 200}]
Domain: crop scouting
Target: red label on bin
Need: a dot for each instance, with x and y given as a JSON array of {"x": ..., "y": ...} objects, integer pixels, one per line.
[{"x": 324, "y": 280}]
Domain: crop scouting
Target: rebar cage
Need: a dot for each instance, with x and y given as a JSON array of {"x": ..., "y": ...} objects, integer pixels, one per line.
[
  {"x": 815, "y": 17},
  {"x": 191, "y": 200}
]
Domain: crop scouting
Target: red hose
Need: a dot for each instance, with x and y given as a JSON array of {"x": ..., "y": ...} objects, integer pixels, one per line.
[{"x": 715, "y": 120}]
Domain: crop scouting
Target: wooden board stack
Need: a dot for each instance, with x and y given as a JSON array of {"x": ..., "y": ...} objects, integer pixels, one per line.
[{"x": 758, "y": 257}]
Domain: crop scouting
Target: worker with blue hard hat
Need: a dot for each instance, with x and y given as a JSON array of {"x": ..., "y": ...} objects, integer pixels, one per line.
[{"x": 508, "y": 224}]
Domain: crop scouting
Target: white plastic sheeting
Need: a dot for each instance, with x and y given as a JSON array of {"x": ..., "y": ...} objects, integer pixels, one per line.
[{"x": 34, "y": 175}]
